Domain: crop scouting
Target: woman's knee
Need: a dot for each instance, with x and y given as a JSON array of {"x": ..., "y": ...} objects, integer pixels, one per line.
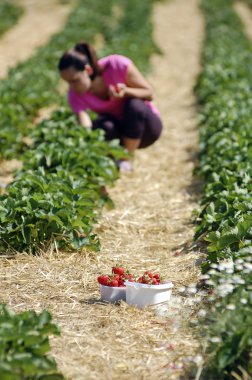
[
  {"x": 152, "y": 133},
  {"x": 135, "y": 108}
]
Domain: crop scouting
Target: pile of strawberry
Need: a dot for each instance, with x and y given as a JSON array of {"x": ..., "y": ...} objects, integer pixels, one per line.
[{"x": 120, "y": 275}]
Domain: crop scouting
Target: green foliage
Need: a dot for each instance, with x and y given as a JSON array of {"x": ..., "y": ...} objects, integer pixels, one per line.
[
  {"x": 224, "y": 92},
  {"x": 57, "y": 195},
  {"x": 39, "y": 208},
  {"x": 60, "y": 144},
  {"x": 25, "y": 345},
  {"x": 125, "y": 37},
  {"x": 9, "y": 14}
]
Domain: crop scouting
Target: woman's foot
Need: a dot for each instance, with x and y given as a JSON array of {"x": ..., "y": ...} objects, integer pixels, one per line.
[{"x": 124, "y": 165}]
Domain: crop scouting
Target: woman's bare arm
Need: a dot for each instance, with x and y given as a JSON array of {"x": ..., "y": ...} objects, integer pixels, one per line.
[
  {"x": 84, "y": 119},
  {"x": 136, "y": 86}
]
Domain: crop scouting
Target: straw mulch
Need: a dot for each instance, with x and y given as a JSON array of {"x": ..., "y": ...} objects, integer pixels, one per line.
[
  {"x": 7, "y": 168},
  {"x": 244, "y": 12},
  {"x": 151, "y": 221},
  {"x": 40, "y": 21}
]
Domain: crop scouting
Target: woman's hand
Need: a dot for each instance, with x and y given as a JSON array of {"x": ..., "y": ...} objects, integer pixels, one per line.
[
  {"x": 117, "y": 91},
  {"x": 84, "y": 119},
  {"x": 135, "y": 86}
]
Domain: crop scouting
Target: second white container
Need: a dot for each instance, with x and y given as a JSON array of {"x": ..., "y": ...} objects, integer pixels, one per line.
[{"x": 141, "y": 295}]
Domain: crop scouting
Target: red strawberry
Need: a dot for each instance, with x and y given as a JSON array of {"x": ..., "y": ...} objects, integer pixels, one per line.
[
  {"x": 118, "y": 270},
  {"x": 121, "y": 282},
  {"x": 170, "y": 347},
  {"x": 117, "y": 88},
  {"x": 146, "y": 279},
  {"x": 103, "y": 280},
  {"x": 131, "y": 280},
  {"x": 116, "y": 277},
  {"x": 128, "y": 276},
  {"x": 148, "y": 273},
  {"x": 177, "y": 253},
  {"x": 113, "y": 283},
  {"x": 157, "y": 276}
]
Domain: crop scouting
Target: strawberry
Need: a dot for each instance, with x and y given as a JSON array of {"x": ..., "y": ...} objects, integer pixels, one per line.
[
  {"x": 103, "y": 280},
  {"x": 128, "y": 276},
  {"x": 177, "y": 253},
  {"x": 116, "y": 277},
  {"x": 170, "y": 347},
  {"x": 118, "y": 270},
  {"x": 113, "y": 283},
  {"x": 146, "y": 279},
  {"x": 148, "y": 273},
  {"x": 121, "y": 281},
  {"x": 117, "y": 88},
  {"x": 131, "y": 280}
]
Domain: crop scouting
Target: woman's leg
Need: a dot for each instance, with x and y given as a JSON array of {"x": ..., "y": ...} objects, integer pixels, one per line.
[
  {"x": 141, "y": 127},
  {"x": 111, "y": 126},
  {"x": 113, "y": 130}
]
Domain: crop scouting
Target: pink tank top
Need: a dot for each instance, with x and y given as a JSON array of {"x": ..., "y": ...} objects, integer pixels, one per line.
[{"x": 116, "y": 67}]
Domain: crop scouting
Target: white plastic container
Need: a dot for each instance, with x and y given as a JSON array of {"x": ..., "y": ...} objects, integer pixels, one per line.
[
  {"x": 141, "y": 295},
  {"x": 112, "y": 294}
]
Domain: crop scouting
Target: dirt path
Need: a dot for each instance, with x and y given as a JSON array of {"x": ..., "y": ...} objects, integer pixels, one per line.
[
  {"x": 245, "y": 14},
  {"x": 40, "y": 21},
  {"x": 152, "y": 217}
]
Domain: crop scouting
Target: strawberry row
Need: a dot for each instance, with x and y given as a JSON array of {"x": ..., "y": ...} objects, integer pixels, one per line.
[
  {"x": 224, "y": 92},
  {"x": 57, "y": 196},
  {"x": 10, "y": 13}
]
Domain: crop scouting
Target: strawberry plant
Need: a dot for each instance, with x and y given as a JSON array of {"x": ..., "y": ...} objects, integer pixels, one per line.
[
  {"x": 25, "y": 345},
  {"x": 61, "y": 144},
  {"x": 9, "y": 13},
  {"x": 41, "y": 208},
  {"x": 58, "y": 193}
]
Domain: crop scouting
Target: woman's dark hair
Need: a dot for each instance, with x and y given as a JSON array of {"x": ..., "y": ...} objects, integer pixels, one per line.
[{"x": 78, "y": 57}]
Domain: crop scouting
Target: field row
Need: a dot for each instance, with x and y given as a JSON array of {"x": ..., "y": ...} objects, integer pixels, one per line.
[
  {"x": 224, "y": 92},
  {"x": 10, "y": 14}
]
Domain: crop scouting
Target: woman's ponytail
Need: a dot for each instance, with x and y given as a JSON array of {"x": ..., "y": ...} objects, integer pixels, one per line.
[
  {"x": 79, "y": 56},
  {"x": 89, "y": 52}
]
